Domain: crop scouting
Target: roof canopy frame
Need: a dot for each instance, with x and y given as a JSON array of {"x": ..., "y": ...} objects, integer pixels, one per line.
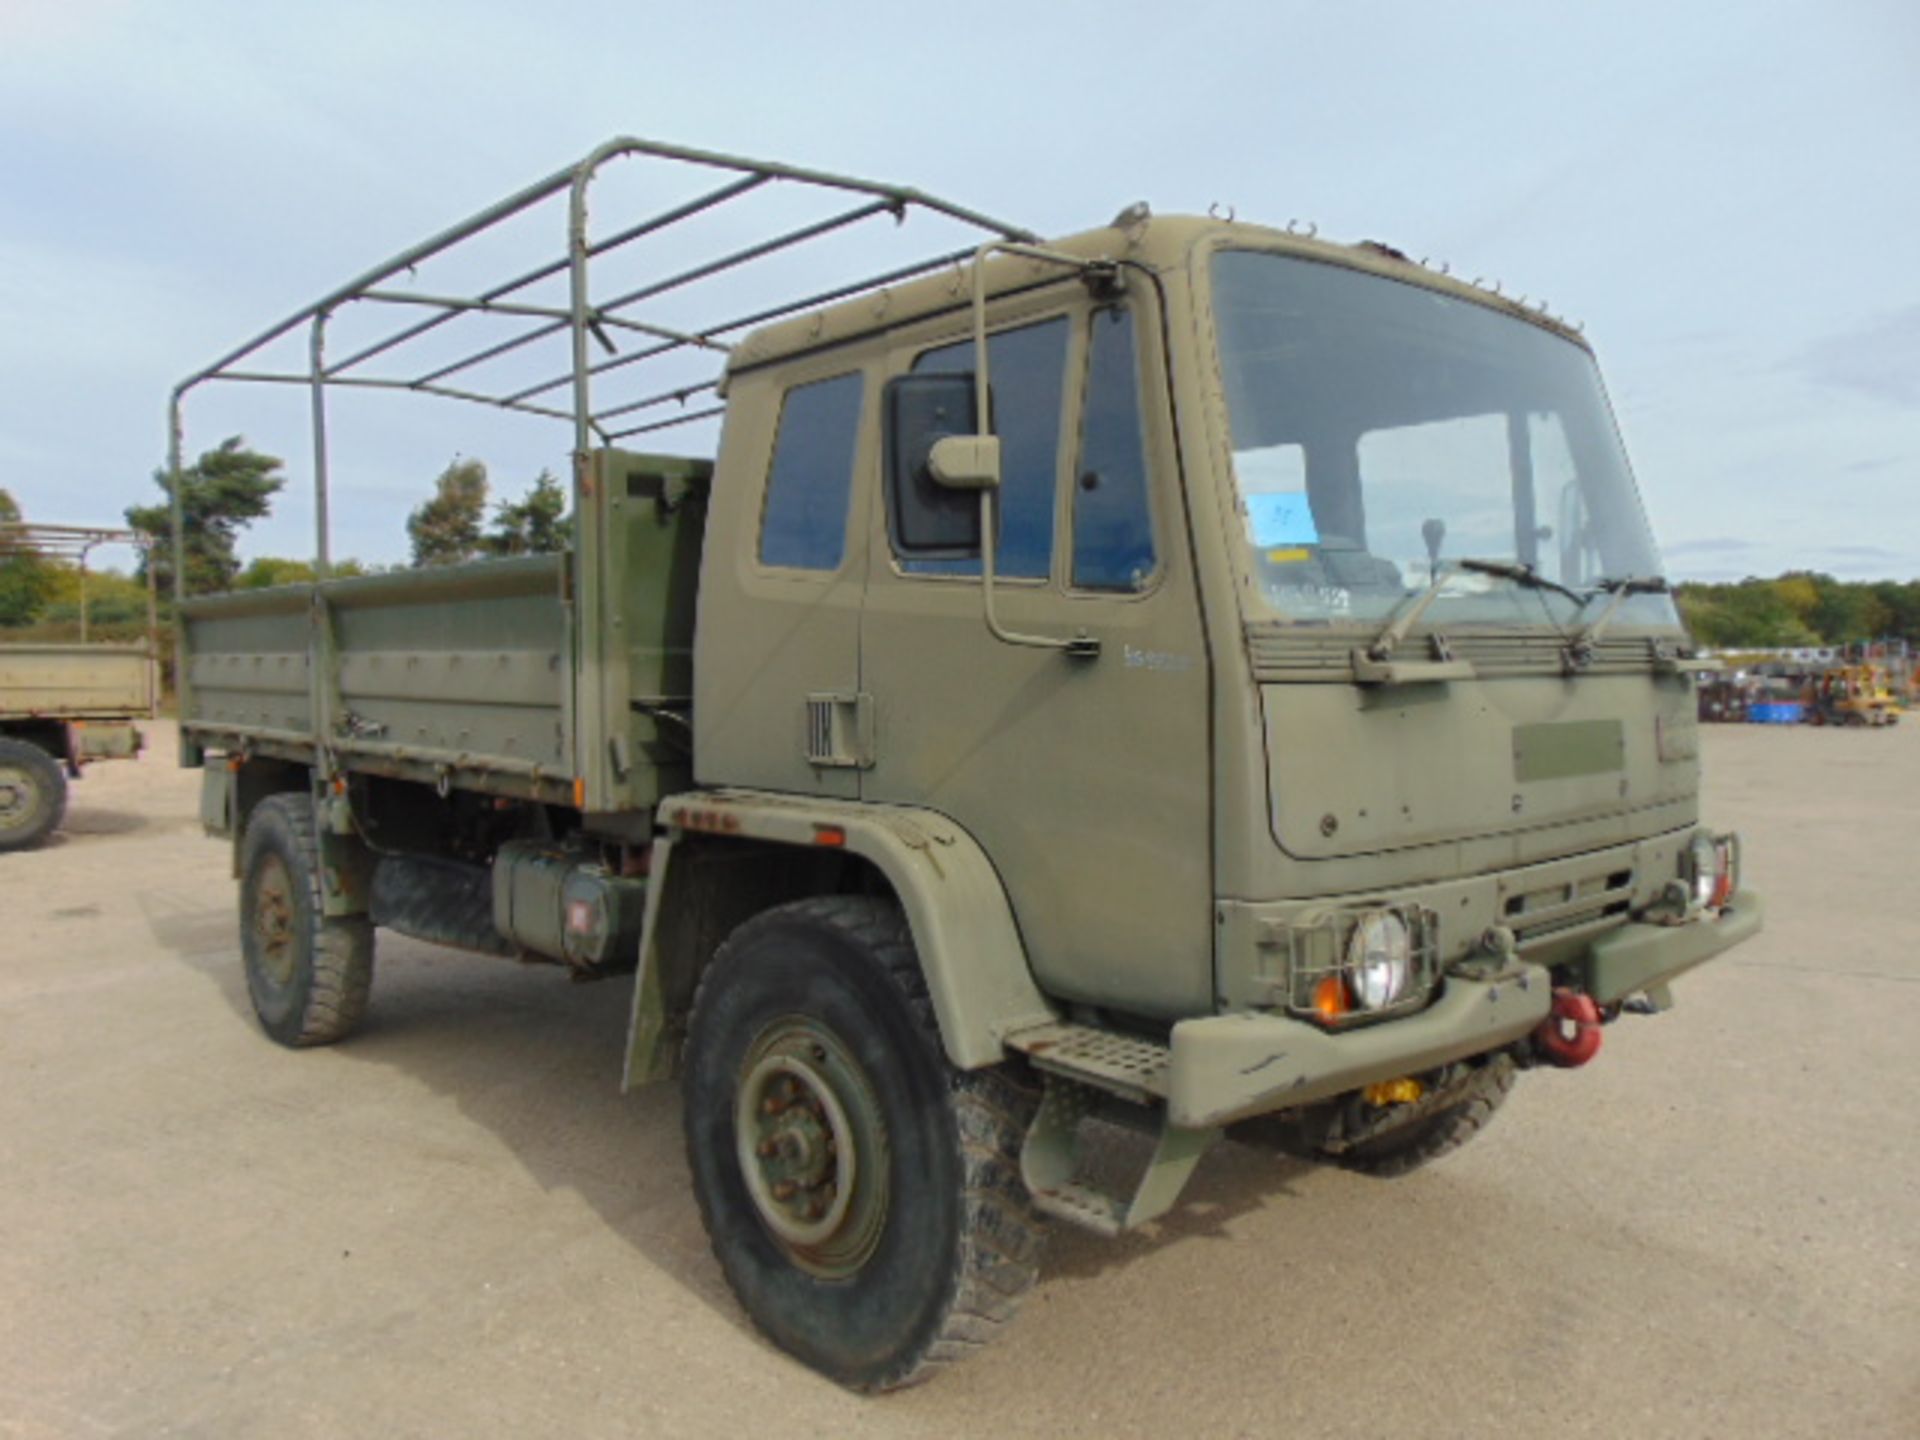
[
  {"x": 75, "y": 543},
  {"x": 584, "y": 322}
]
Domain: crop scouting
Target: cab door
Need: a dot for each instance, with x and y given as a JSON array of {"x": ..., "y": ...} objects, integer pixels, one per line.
[
  {"x": 777, "y": 701},
  {"x": 1086, "y": 780}
]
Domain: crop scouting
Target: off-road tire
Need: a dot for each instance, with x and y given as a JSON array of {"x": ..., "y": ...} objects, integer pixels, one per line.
[
  {"x": 1421, "y": 1142},
  {"x": 960, "y": 1242},
  {"x": 33, "y": 794},
  {"x": 308, "y": 973}
]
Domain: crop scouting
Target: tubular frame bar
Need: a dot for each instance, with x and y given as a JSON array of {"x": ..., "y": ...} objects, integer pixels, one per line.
[
  {"x": 661, "y": 287},
  {"x": 556, "y": 267},
  {"x": 580, "y": 317},
  {"x": 76, "y": 543}
]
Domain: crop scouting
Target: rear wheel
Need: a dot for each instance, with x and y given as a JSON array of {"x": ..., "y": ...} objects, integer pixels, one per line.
[
  {"x": 33, "y": 794},
  {"x": 863, "y": 1196},
  {"x": 308, "y": 973}
]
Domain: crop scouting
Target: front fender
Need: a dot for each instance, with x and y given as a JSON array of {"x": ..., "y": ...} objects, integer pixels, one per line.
[{"x": 963, "y": 926}]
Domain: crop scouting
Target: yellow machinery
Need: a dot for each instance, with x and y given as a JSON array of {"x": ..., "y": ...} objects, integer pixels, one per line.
[{"x": 1855, "y": 695}]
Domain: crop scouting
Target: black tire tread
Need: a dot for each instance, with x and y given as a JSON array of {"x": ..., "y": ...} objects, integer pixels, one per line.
[
  {"x": 1425, "y": 1141},
  {"x": 1002, "y": 1235},
  {"x": 46, "y": 768},
  {"x": 342, "y": 945}
]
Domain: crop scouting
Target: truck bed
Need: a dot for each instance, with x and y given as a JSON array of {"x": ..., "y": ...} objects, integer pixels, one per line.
[
  {"x": 76, "y": 682},
  {"x": 458, "y": 672},
  {"x": 564, "y": 678}
]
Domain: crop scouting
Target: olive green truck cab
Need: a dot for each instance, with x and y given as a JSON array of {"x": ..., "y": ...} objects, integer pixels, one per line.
[{"x": 1186, "y": 676}]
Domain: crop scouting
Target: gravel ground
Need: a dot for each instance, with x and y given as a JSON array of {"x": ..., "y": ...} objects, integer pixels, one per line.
[{"x": 454, "y": 1224}]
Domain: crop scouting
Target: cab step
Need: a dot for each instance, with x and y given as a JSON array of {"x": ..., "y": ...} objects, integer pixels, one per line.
[
  {"x": 1130, "y": 1066},
  {"x": 1052, "y": 1164},
  {"x": 1085, "y": 1069}
]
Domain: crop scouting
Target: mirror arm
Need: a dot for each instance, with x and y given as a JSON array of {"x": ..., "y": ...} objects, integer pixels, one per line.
[{"x": 1082, "y": 646}]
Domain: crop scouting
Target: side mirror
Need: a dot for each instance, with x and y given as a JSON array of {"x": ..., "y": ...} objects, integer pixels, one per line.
[
  {"x": 966, "y": 462},
  {"x": 936, "y": 465}
]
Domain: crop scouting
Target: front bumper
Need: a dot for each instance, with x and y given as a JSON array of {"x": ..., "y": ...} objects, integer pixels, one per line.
[
  {"x": 1633, "y": 958},
  {"x": 1228, "y": 1067}
]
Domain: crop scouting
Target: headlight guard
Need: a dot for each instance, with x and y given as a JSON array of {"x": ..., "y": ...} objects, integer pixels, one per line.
[{"x": 1347, "y": 966}]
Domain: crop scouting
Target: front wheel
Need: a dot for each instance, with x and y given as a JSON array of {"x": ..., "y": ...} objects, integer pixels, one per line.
[
  {"x": 863, "y": 1197},
  {"x": 33, "y": 794},
  {"x": 308, "y": 973}
]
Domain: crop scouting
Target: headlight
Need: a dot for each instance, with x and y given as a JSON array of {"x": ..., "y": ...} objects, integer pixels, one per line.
[
  {"x": 1703, "y": 865},
  {"x": 1379, "y": 960},
  {"x": 1712, "y": 870},
  {"x": 1726, "y": 861}
]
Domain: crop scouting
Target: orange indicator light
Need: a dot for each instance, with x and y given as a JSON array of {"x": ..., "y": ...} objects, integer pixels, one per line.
[{"x": 1330, "y": 998}]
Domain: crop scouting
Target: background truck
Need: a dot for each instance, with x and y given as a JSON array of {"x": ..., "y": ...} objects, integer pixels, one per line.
[
  {"x": 63, "y": 706},
  {"x": 1187, "y": 676}
]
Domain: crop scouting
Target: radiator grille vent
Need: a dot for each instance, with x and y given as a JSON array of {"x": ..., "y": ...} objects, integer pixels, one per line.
[
  {"x": 840, "y": 730},
  {"x": 1573, "y": 905},
  {"x": 820, "y": 732}
]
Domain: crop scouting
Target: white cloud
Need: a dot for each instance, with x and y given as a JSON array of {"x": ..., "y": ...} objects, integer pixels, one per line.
[{"x": 175, "y": 177}]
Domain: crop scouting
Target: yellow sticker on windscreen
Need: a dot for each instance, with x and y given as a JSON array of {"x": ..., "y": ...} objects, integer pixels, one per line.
[{"x": 1287, "y": 557}]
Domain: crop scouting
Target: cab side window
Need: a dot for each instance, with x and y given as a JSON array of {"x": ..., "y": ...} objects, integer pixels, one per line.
[
  {"x": 1027, "y": 370},
  {"x": 803, "y": 525},
  {"x": 1112, "y": 526}
]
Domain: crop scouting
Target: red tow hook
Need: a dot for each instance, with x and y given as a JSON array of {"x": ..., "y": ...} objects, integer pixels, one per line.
[{"x": 1570, "y": 1035}]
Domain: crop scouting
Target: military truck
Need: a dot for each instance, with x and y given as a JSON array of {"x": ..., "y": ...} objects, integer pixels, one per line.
[
  {"x": 1187, "y": 676},
  {"x": 64, "y": 706}
]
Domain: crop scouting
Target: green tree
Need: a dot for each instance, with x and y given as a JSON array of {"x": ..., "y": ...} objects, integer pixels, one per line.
[
  {"x": 534, "y": 524},
  {"x": 1900, "y": 603},
  {"x": 27, "y": 581},
  {"x": 1847, "y": 613},
  {"x": 1800, "y": 593},
  {"x": 222, "y": 492},
  {"x": 114, "y": 600},
  {"x": 1758, "y": 613},
  {"x": 265, "y": 571},
  {"x": 446, "y": 529}
]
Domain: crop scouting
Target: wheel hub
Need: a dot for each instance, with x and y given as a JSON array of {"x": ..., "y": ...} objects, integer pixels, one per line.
[
  {"x": 273, "y": 920},
  {"x": 16, "y": 796},
  {"x": 812, "y": 1147}
]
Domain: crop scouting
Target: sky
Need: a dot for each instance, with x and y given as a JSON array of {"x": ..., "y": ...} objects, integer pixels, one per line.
[{"x": 1723, "y": 195}]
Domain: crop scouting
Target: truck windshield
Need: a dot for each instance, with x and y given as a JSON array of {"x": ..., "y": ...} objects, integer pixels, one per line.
[{"x": 1380, "y": 428}]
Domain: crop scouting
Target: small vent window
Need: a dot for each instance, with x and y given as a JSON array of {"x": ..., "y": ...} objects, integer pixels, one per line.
[
  {"x": 804, "y": 523},
  {"x": 1112, "y": 528}
]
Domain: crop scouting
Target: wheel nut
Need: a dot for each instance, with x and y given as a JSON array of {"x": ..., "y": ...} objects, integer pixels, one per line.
[{"x": 784, "y": 1190}]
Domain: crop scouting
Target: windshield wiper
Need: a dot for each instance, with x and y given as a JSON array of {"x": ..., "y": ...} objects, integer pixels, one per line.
[
  {"x": 1525, "y": 575},
  {"x": 1582, "y": 648},
  {"x": 1402, "y": 620}
]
